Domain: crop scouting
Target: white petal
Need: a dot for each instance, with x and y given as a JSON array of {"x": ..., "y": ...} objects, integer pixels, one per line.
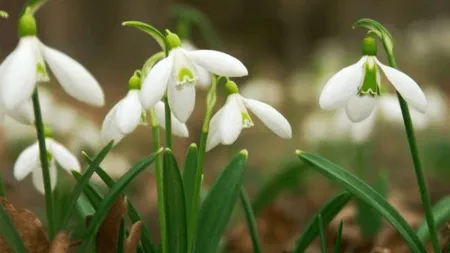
[
  {"x": 181, "y": 101},
  {"x": 63, "y": 157},
  {"x": 342, "y": 86},
  {"x": 18, "y": 75},
  {"x": 109, "y": 130},
  {"x": 406, "y": 86},
  {"x": 230, "y": 122},
  {"x": 204, "y": 77},
  {"x": 274, "y": 120},
  {"x": 359, "y": 108},
  {"x": 155, "y": 83},
  {"x": 361, "y": 131},
  {"x": 178, "y": 128},
  {"x": 214, "y": 137},
  {"x": 38, "y": 180},
  {"x": 27, "y": 161},
  {"x": 74, "y": 78},
  {"x": 129, "y": 112},
  {"x": 218, "y": 63},
  {"x": 23, "y": 113}
]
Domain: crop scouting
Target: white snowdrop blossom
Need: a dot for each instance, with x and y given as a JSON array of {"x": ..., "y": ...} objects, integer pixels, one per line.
[
  {"x": 29, "y": 162},
  {"x": 204, "y": 77},
  {"x": 178, "y": 75},
  {"x": 228, "y": 122},
  {"x": 357, "y": 87},
  {"x": 26, "y": 66},
  {"x": 129, "y": 113}
]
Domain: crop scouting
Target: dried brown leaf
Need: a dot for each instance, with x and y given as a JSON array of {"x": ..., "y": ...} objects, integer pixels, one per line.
[
  {"x": 29, "y": 227},
  {"x": 133, "y": 239},
  {"x": 108, "y": 233},
  {"x": 61, "y": 243}
]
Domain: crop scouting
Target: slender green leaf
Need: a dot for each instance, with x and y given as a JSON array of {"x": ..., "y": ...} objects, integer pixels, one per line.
[
  {"x": 2, "y": 185},
  {"x": 328, "y": 211},
  {"x": 175, "y": 205},
  {"x": 190, "y": 166},
  {"x": 290, "y": 177},
  {"x": 9, "y": 232},
  {"x": 109, "y": 199},
  {"x": 337, "y": 246},
  {"x": 323, "y": 239},
  {"x": 84, "y": 207},
  {"x": 121, "y": 242},
  {"x": 132, "y": 213},
  {"x": 78, "y": 189},
  {"x": 251, "y": 221},
  {"x": 441, "y": 214},
  {"x": 364, "y": 192},
  {"x": 216, "y": 210},
  {"x": 91, "y": 194},
  {"x": 150, "y": 30}
]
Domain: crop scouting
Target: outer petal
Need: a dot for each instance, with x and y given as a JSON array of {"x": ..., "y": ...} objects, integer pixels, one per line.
[
  {"x": 73, "y": 77},
  {"x": 27, "y": 161},
  {"x": 63, "y": 156},
  {"x": 359, "y": 108},
  {"x": 181, "y": 101},
  {"x": 361, "y": 131},
  {"x": 155, "y": 83},
  {"x": 214, "y": 137},
  {"x": 230, "y": 122},
  {"x": 342, "y": 86},
  {"x": 129, "y": 112},
  {"x": 23, "y": 113},
  {"x": 18, "y": 74},
  {"x": 218, "y": 63},
  {"x": 38, "y": 180},
  {"x": 109, "y": 130},
  {"x": 406, "y": 86},
  {"x": 204, "y": 77},
  {"x": 270, "y": 117},
  {"x": 178, "y": 128}
]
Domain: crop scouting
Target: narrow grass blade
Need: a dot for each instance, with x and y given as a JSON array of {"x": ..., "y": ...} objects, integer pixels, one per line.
[
  {"x": 216, "y": 210},
  {"x": 121, "y": 242},
  {"x": 109, "y": 199},
  {"x": 78, "y": 189},
  {"x": 323, "y": 239},
  {"x": 441, "y": 213},
  {"x": 91, "y": 194},
  {"x": 190, "y": 166},
  {"x": 132, "y": 213},
  {"x": 175, "y": 205},
  {"x": 251, "y": 221},
  {"x": 337, "y": 246},
  {"x": 365, "y": 193},
  {"x": 9, "y": 232},
  {"x": 328, "y": 211}
]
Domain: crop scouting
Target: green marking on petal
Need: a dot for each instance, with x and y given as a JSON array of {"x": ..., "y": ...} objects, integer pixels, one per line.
[
  {"x": 184, "y": 76},
  {"x": 246, "y": 120},
  {"x": 370, "y": 84},
  {"x": 49, "y": 156},
  {"x": 144, "y": 118},
  {"x": 42, "y": 72}
]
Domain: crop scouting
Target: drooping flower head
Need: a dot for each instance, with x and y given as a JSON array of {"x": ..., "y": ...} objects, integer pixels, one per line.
[
  {"x": 29, "y": 162},
  {"x": 129, "y": 113},
  {"x": 177, "y": 74},
  {"x": 357, "y": 87},
  {"x": 26, "y": 66},
  {"x": 228, "y": 122}
]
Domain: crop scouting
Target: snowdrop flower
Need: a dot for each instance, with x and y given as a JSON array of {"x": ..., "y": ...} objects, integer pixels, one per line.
[
  {"x": 29, "y": 162},
  {"x": 178, "y": 74},
  {"x": 357, "y": 87},
  {"x": 204, "y": 77},
  {"x": 228, "y": 122},
  {"x": 26, "y": 66},
  {"x": 128, "y": 113}
]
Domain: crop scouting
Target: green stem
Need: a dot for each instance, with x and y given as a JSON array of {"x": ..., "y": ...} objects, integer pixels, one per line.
[
  {"x": 2, "y": 185},
  {"x": 417, "y": 165},
  {"x": 159, "y": 182},
  {"x": 168, "y": 117},
  {"x": 251, "y": 221},
  {"x": 210, "y": 103},
  {"x": 44, "y": 164}
]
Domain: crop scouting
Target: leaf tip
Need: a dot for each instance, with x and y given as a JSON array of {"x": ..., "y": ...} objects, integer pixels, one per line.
[
  {"x": 244, "y": 153},
  {"x": 298, "y": 152},
  {"x": 193, "y": 146}
]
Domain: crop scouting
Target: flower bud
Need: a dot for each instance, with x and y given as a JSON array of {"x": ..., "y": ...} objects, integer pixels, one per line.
[
  {"x": 369, "y": 46},
  {"x": 134, "y": 83},
  {"x": 172, "y": 39},
  {"x": 27, "y": 25},
  {"x": 231, "y": 87}
]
